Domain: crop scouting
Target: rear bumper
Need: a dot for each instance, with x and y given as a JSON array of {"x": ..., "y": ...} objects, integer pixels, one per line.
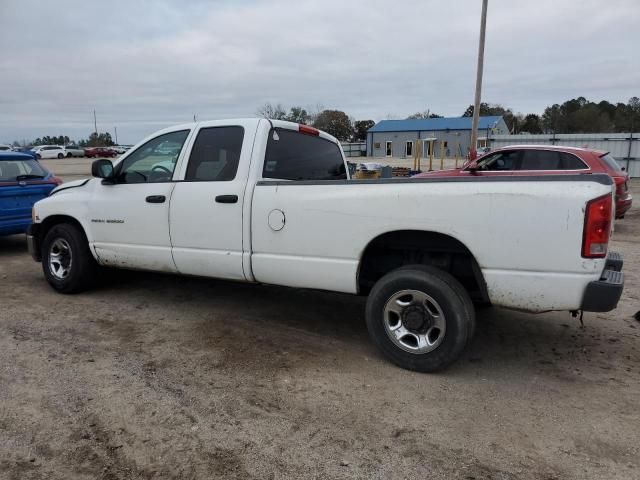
[
  {"x": 603, "y": 295},
  {"x": 33, "y": 241},
  {"x": 623, "y": 205}
]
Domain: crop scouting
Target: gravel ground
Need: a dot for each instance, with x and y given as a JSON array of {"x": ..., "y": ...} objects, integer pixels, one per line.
[{"x": 155, "y": 376}]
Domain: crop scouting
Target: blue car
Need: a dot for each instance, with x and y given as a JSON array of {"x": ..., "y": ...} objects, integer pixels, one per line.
[{"x": 23, "y": 181}]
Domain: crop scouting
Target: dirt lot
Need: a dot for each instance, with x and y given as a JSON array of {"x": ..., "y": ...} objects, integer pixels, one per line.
[{"x": 157, "y": 376}]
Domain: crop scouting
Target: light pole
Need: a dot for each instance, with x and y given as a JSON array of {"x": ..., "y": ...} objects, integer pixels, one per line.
[
  {"x": 476, "y": 106},
  {"x": 116, "y": 131}
]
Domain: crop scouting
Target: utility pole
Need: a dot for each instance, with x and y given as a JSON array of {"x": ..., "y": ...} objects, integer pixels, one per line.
[
  {"x": 116, "y": 130},
  {"x": 476, "y": 106},
  {"x": 95, "y": 122}
]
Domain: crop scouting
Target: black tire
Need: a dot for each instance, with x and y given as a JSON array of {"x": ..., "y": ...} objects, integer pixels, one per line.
[
  {"x": 83, "y": 270},
  {"x": 60, "y": 156},
  {"x": 69, "y": 155},
  {"x": 457, "y": 312},
  {"x": 38, "y": 156}
]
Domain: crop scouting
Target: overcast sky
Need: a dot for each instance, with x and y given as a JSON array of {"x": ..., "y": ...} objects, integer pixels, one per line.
[{"x": 144, "y": 65}]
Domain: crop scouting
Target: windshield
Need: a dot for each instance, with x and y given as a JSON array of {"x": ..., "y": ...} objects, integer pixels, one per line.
[
  {"x": 14, "y": 170},
  {"x": 611, "y": 162}
]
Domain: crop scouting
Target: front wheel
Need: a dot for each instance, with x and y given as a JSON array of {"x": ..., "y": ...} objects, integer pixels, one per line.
[
  {"x": 420, "y": 317},
  {"x": 67, "y": 262},
  {"x": 69, "y": 155}
]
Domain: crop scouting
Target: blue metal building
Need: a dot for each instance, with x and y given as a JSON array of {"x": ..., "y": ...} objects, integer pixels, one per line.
[{"x": 398, "y": 138}]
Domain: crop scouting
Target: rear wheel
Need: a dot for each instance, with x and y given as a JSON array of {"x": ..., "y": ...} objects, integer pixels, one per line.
[
  {"x": 420, "y": 317},
  {"x": 60, "y": 156},
  {"x": 67, "y": 262}
]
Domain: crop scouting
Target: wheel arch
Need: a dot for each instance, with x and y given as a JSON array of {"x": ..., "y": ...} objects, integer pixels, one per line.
[
  {"x": 396, "y": 248},
  {"x": 52, "y": 220}
]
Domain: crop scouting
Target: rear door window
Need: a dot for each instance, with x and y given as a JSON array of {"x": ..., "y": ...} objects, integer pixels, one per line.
[
  {"x": 571, "y": 162},
  {"x": 215, "y": 155},
  {"x": 541, "y": 160},
  {"x": 298, "y": 156}
]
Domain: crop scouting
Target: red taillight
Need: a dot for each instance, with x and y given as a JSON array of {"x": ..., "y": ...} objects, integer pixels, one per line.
[
  {"x": 597, "y": 226},
  {"x": 308, "y": 130},
  {"x": 620, "y": 185}
]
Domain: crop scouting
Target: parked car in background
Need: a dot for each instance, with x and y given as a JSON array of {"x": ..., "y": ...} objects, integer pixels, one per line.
[
  {"x": 120, "y": 149},
  {"x": 74, "y": 151},
  {"x": 6, "y": 148},
  {"x": 50, "y": 151},
  {"x": 540, "y": 160},
  {"x": 23, "y": 181},
  {"x": 94, "y": 152}
]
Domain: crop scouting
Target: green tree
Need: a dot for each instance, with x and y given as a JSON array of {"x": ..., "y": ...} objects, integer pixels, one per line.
[
  {"x": 97, "y": 140},
  {"x": 495, "y": 109},
  {"x": 360, "y": 129},
  {"x": 531, "y": 124},
  {"x": 298, "y": 115},
  {"x": 336, "y": 123}
]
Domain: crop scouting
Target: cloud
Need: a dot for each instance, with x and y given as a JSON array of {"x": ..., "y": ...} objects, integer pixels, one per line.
[{"x": 146, "y": 65}]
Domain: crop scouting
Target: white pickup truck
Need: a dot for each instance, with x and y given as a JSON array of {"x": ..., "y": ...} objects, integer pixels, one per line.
[{"x": 267, "y": 201}]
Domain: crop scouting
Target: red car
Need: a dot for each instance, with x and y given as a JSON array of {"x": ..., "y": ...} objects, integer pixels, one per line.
[
  {"x": 94, "y": 152},
  {"x": 546, "y": 160}
]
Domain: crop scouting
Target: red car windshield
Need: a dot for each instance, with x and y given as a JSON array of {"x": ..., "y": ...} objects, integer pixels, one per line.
[{"x": 15, "y": 170}]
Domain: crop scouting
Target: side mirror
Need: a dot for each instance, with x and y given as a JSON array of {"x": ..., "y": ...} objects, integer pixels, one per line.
[{"x": 102, "y": 168}]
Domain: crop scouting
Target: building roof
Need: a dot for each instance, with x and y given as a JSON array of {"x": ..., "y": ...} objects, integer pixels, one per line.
[{"x": 433, "y": 124}]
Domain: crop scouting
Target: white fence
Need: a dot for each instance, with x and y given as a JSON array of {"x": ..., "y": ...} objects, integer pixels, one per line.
[
  {"x": 356, "y": 149},
  {"x": 625, "y": 147}
]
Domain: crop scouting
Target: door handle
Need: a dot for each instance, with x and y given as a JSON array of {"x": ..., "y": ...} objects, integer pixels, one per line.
[
  {"x": 227, "y": 199},
  {"x": 156, "y": 199}
]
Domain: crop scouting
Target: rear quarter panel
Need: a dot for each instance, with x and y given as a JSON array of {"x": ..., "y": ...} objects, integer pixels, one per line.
[{"x": 526, "y": 235}]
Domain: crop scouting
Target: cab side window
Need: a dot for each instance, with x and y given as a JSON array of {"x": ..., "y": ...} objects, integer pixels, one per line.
[
  {"x": 154, "y": 161},
  {"x": 215, "y": 155}
]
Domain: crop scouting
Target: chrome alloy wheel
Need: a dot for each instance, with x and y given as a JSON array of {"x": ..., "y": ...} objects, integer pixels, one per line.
[
  {"x": 60, "y": 258},
  {"x": 414, "y": 321}
]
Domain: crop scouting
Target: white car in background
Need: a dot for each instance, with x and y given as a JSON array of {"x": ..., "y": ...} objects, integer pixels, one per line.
[
  {"x": 50, "y": 151},
  {"x": 74, "y": 151},
  {"x": 120, "y": 149},
  {"x": 5, "y": 148}
]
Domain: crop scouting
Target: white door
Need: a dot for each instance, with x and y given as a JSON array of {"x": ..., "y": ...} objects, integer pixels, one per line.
[
  {"x": 47, "y": 152},
  {"x": 130, "y": 218},
  {"x": 206, "y": 208}
]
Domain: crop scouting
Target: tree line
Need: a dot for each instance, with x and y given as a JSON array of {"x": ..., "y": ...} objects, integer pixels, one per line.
[
  {"x": 577, "y": 115},
  {"x": 102, "y": 139}
]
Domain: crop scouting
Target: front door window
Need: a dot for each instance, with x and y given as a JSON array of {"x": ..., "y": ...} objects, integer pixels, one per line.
[{"x": 154, "y": 161}]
